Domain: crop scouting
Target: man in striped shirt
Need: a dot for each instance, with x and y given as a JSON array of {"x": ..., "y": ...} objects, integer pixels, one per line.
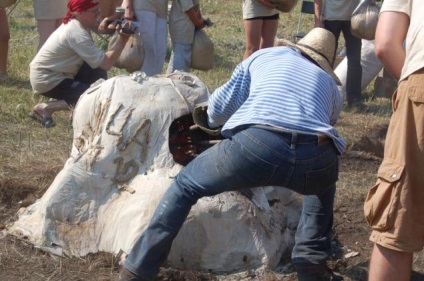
[{"x": 277, "y": 111}]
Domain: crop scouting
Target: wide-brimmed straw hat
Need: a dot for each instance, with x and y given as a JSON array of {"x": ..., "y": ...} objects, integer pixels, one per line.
[{"x": 319, "y": 44}]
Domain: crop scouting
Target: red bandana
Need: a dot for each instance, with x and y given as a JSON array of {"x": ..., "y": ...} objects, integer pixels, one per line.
[{"x": 78, "y": 6}]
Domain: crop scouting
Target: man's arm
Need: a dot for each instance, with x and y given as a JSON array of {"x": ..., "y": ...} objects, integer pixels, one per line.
[
  {"x": 317, "y": 16},
  {"x": 389, "y": 37},
  {"x": 195, "y": 18},
  {"x": 112, "y": 55},
  {"x": 228, "y": 98}
]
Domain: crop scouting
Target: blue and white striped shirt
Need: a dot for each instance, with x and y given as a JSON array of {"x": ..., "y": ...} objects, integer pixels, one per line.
[{"x": 278, "y": 87}]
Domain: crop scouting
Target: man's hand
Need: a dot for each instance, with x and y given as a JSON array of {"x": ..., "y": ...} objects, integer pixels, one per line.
[
  {"x": 207, "y": 22},
  {"x": 105, "y": 26},
  {"x": 126, "y": 28}
]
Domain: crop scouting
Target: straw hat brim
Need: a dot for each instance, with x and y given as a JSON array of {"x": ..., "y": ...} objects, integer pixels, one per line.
[{"x": 318, "y": 58}]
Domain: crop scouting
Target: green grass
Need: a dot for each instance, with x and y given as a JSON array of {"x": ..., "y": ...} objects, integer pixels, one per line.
[
  {"x": 25, "y": 141},
  {"x": 31, "y": 156}
]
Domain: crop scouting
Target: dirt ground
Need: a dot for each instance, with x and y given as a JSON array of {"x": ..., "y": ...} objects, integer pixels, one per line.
[{"x": 19, "y": 260}]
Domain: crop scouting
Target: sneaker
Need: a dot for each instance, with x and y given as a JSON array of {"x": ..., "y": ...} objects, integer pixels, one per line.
[
  {"x": 316, "y": 272},
  {"x": 126, "y": 275}
]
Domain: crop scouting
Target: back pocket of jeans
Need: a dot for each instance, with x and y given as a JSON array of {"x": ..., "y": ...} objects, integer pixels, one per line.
[
  {"x": 382, "y": 199},
  {"x": 318, "y": 181}
]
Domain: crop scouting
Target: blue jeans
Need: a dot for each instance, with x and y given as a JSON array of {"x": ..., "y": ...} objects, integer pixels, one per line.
[{"x": 251, "y": 158}]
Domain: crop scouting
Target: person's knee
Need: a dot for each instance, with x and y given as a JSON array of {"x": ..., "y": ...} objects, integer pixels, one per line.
[{"x": 185, "y": 187}]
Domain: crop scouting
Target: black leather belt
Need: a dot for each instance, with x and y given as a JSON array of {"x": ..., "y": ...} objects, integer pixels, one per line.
[
  {"x": 299, "y": 138},
  {"x": 296, "y": 137}
]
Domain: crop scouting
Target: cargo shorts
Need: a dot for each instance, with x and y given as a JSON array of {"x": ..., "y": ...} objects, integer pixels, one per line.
[{"x": 394, "y": 207}]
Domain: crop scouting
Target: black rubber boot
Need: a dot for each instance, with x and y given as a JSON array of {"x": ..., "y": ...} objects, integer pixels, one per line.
[{"x": 316, "y": 272}]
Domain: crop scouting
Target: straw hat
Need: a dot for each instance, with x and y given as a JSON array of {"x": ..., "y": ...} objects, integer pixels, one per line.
[{"x": 319, "y": 44}]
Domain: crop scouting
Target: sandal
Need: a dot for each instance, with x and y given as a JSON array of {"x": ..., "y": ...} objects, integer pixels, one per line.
[{"x": 46, "y": 122}]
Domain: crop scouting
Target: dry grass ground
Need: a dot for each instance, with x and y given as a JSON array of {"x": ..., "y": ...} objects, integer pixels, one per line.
[{"x": 31, "y": 156}]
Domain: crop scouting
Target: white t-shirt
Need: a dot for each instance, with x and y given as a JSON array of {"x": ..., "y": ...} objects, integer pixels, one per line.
[
  {"x": 62, "y": 56},
  {"x": 414, "y": 43},
  {"x": 160, "y": 7},
  {"x": 338, "y": 9}
]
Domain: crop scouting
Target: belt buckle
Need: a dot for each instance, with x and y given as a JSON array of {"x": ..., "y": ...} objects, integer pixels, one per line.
[{"x": 323, "y": 139}]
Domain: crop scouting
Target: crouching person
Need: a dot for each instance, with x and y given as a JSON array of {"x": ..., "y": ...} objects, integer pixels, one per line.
[
  {"x": 69, "y": 62},
  {"x": 278, "y": 112}
]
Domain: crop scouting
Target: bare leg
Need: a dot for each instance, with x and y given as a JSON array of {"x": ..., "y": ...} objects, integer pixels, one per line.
[
  {"x": 45, "y": 28},
  {"x": 389, "y": 265},
  {"x": 4, "y": 42},
  {"x": 269, "y": 29},
  {"x": 46, "y": 109},
  {"x": 253, "y": 30}
]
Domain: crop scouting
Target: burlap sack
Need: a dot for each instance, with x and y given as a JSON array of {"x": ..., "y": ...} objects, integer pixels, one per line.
[
  {"x": 132, "y": 57},
  {"x": 6, "y": 3},
  {"x": 284, "y": 5},
  {"x": 364, "y": 20},
  {"x": 203, "y": 51}
]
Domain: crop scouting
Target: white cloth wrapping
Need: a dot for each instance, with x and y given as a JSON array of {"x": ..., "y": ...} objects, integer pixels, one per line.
[{"x": 120, "y": 166}]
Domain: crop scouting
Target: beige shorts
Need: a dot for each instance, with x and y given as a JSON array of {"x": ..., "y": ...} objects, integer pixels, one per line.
[
  {"x": 49, "y": 9},
  {"x": 394, "y": 207},
  {"x": 254, "y": 9}
]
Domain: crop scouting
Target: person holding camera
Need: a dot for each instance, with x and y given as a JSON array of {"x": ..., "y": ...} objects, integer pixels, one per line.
[{"x": 69, "y": 62}]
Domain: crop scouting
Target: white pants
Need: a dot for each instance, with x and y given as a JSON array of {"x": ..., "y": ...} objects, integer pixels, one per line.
[
  {"x": 154, "y": 33},
  {"x": 180, "y": 58}
]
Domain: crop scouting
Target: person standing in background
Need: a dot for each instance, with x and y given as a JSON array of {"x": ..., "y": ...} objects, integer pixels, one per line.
[
  {"x": 152, "y": 16},
  {"x": 4, "y": 43},
  {"x": 184, "y": 19},
  {"x": 394, "y": 206},
  {"x": 260, "y": 25},
  {"x": 49, "y": 15},
  {"x": 335, "y": 15}
]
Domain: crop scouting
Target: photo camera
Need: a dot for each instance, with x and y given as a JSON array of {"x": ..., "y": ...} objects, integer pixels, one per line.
[{"x": 127, "y": 26}]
